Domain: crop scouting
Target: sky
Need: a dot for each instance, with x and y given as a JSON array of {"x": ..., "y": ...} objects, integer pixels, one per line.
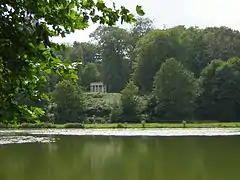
[{"x": 170, "y": 13}]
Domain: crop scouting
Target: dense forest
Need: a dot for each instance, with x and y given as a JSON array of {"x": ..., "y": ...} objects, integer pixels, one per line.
[
  {"x": 152, "y": 75},
  {"x": 155, "y": 75}
]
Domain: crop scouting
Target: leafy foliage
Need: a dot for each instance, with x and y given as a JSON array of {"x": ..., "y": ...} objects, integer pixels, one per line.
[
  {"x": 142, "y": 27},
  {"x": 116, "y": 113},
  {"x": 31, "y": 66},
  {"x": 130, "y": 103},
  {"x": 89, "y": 73},
  {"x": 115, "y": 46},
  {"x": 175, "y": 90},
  {"x": 216, "y": 95},
  {"x": 221, "y": 94},
  {"x": 26, "y": 50},
  {"x": 69, "y": 102},
  {"x": 96, "y": 106},
  {"x": 195, "y": 48},
  {"x": 84, "y": 52},
  {"x": 151, "y": 51}
]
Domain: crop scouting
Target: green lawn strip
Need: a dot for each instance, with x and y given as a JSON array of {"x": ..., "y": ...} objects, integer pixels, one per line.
[{"x": 124, "y": 125}]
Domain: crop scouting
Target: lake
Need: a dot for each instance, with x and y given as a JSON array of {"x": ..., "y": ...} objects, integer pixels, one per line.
[{"x": 165, "y": 154}]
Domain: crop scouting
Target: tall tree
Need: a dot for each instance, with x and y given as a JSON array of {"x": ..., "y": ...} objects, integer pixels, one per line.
[
  {"x": 69, "y": 101},
  {"x": 206, "y": 105},
  {"x": 25, "y": 47},
  {"x": 151, "y": 51},
  {"x": 175, "y": 89},
  {"x": 139, "y": 29},
  {"x": 89, "y": 73},
  {"x": 142, "y": 26},
  {"x": 220, "y": 99},
  {"x": 79, "y": 51},
  {"x": 221, "y": 43},
  {"x": 130, "y": 103},
  {"x": 115, "y": 46},
  {"x": 201, "y": 46}
]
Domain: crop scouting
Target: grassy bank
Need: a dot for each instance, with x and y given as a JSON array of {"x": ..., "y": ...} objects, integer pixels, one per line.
[{"x": 108, "y": 126}]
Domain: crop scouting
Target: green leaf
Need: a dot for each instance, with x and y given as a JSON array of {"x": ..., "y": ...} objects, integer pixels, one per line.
[
  {"x": 45, "y": 96},
  {"x": 140, "y": 11},
  {"x": 41, "y": 47},
  {"x": 48, "y": 71},
  {"x": 95, "y": 18},
  {"x": 92, "y": 13},
  {"x": 74, "y": 76},
  {"x": 100, "y": 5}
]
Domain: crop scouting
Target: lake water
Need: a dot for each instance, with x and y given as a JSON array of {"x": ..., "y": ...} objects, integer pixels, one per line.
[{"x": 166, "y": 154}]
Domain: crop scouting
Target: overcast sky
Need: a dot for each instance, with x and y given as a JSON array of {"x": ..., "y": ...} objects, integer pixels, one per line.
[{"x": 171, "y": 13}]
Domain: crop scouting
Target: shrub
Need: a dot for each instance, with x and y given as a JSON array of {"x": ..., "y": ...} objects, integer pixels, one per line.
[
  {"x": 37, "y": 125},
  {"x": 116, "y": 113},
  {"x": 143, "y": 123},
  {"x": 96, "y": 107},
  {"x": 120, "y": 125},
  {"x": 97, "y": 95},
  {"x": 3, "y": 125},
  {"x": 97, "y": 120},
  {"x": 69, "y": 100},
  {"x": 74, "y": 125},
  {"x": 130, "y": 103}
]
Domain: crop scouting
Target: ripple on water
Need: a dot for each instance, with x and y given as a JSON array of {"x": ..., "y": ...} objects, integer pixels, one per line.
[
  {"x": 132, "y": 132},
  {"x": 24, "y": 139}
]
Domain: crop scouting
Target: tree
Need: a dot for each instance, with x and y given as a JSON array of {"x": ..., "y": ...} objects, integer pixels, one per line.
[
  {"x": 142, "y": 27},
  {"x": 192, "y": 49},
  {"x": 115, "y": 46},
  {"x": 26, "y": 50},
  {"x": 220, "y": 97},
  {"x": 195, "y": 48},
  {"x": 221, "y": 43},
  {"x": 206, "y": 107},
  {"x": 84, "y": 52},
  {"x": 201, "y": 46},
  {"x": 69, "y": 101},
  {"x": 151, "y": 51},
  {"x": 139, "y": 29},
  {"x": 130, "y": 103},
  {"x": 175, "y": 90},
  {"x": 90, "y": 52},
  {"x": 88, "y": 74}
]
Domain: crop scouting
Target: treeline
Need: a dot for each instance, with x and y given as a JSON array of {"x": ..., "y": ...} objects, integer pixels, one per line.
[{"x": 162, "y": 74}]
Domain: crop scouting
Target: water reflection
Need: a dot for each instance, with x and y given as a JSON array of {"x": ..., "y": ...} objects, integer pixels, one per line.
[{"x": 123, "y": 158}]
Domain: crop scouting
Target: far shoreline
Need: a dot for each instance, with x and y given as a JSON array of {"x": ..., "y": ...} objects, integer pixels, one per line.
[{"x": 121, "y": 126}]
